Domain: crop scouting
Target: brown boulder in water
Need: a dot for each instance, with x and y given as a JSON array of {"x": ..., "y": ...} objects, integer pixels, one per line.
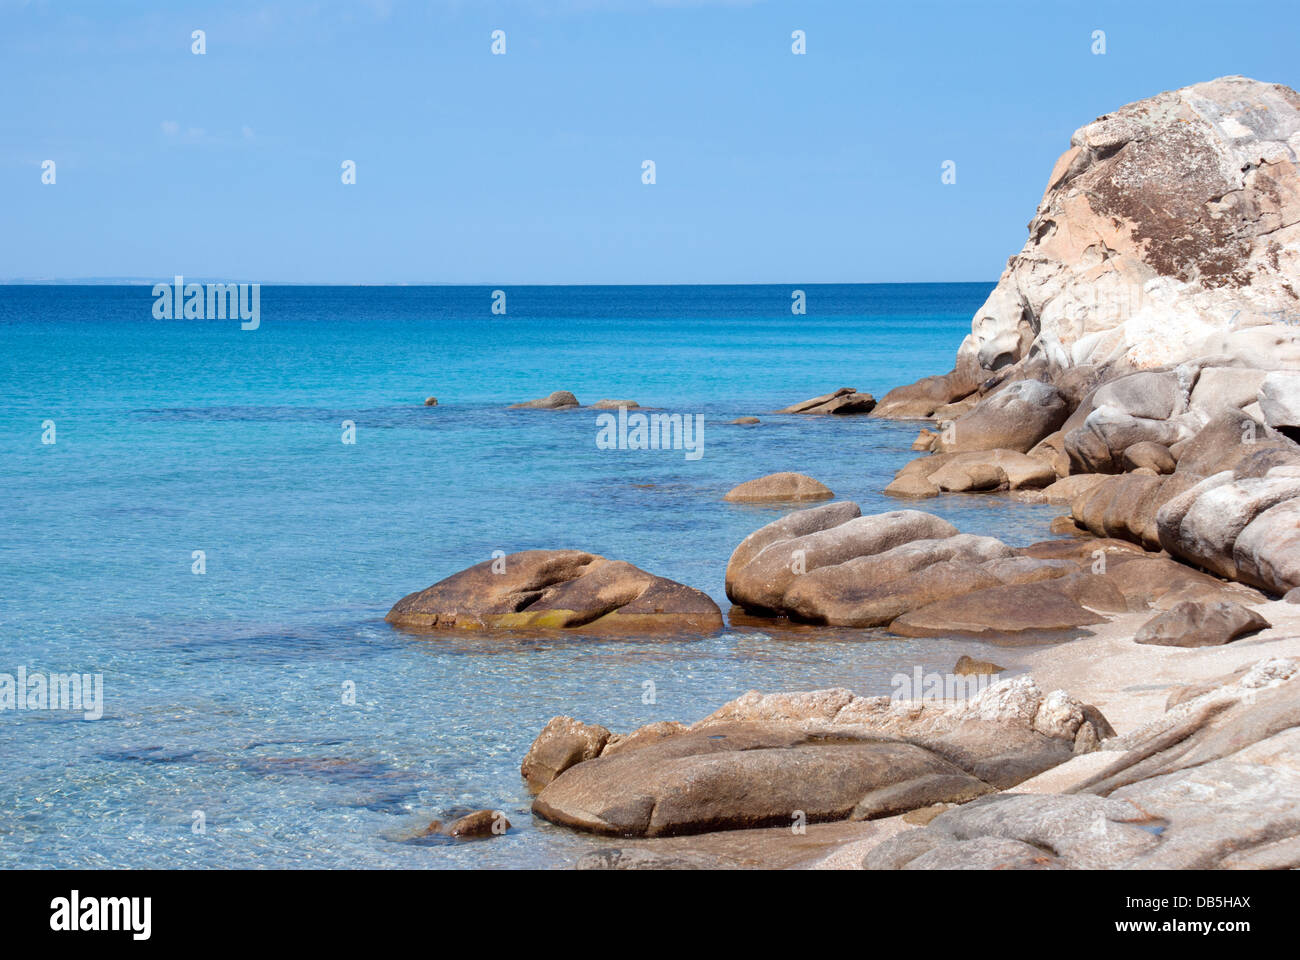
[
  {"x": 558, "y": 589},
  {"x": 789, "y": 487}
]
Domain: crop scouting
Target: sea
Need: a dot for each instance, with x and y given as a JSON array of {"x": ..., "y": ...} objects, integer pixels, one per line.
[{"x": 214, "y": 520}]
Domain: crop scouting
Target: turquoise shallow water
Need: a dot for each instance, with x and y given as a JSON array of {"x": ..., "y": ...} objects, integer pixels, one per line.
[{"x": 223, "y": 692}]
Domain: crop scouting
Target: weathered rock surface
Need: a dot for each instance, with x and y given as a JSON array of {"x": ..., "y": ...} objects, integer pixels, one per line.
[
  {"x": 559, "y": 400},
  {"x": 1153, "y": 456},
  {"x": 912, "y": 573},
  {"x": 732, "y": 777},
  {"x": 563, "y": 742},
  {"x": 873, "y": 590},
  {"x": 558, "y": 589},
  {"x": 1279, "y": 402},
  {"x": 920, "y": 400},
  {"x": 611, "y": 404},
  {"x": 843, "y": 402},
  {"x": 983, "y": 470},
  {"x": 765, "y": 760},
  {"x": 1215, "y": 783},
  {"x": 996, "y": 610},
  {"x": 1192, "y": 624},
  {"x": 1014, "y": 418},
  {"x": 758, "y": 577},
  {"x": 1168, "y": 232},
  {"x": 635, "y": 858},
  {"x": 791, "y": 487}
]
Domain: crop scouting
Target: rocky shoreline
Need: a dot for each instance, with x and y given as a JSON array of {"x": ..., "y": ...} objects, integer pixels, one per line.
[{"x": 1134, "y": 364}]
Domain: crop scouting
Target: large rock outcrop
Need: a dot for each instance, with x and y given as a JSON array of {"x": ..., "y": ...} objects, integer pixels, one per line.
[
  {"x": 763, "y": 760},
  {"x": 914, "y": 574},
  {"x": 1213, "y": 784},
  {"x": 1169, "y": 231},
  {"x": 1153, "y": 319}
]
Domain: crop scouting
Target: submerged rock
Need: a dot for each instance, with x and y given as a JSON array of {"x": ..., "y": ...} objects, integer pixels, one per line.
[{"x": 558, "y": 589}]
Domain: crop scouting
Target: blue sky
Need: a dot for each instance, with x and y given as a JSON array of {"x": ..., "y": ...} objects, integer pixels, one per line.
[{"x": 526, "y": 168}]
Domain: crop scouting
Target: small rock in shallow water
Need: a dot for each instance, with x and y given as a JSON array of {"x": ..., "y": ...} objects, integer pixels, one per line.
[
  {"x": 430, "y": 401},
  {"x": 789, "y": 487},
  {"x": 744, "y": 421},
  {"x": 480, "y": 823},
  {"x": 968, "y": 666}
]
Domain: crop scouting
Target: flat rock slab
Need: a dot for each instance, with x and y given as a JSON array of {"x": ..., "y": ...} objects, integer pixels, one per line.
[
  {"x": 1214, "y": 783},
  {"x": 735, "y": 776},
  {"x": 558, "y": 590},
  {"x": 1041, "y": 606}
]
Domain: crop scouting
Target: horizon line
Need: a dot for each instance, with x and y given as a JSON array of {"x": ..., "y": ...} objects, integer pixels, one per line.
[{"x": 150, "y": 281}]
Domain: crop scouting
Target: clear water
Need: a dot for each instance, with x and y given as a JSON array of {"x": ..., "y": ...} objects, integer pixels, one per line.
[{"x": 224, "y": 692}]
